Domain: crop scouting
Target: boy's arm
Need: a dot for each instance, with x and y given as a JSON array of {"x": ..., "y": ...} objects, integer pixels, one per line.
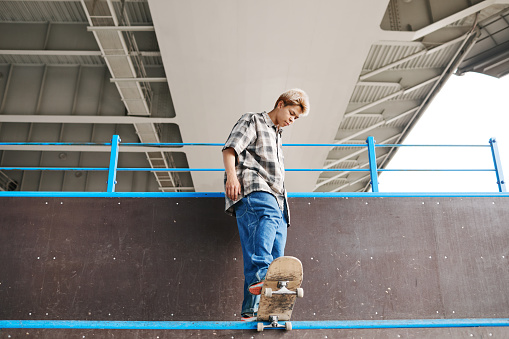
[{"x": 232, "y": 187}]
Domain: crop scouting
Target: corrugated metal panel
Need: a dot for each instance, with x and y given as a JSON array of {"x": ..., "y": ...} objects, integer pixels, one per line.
[
  {"x": 97, "y": 8},
  {"x": 342, "y": 164},
  {"x": 335, "y": 182},
  {"x": 369, "y": 92},
  {"x": 138, "y": 12},
  {"x": 383, "y": 54},
  {"x": 51, "y": 59},
  {"x": 344, "y": 147},
  {"x": 52, "y": 11},
  {"x": 400, "y": 123},
  {"x": 419, "y": 93},
  {"x": 359, "y": 122},
  {"x": 431, "y": 60},
  {"x": 152, "y": 60}
]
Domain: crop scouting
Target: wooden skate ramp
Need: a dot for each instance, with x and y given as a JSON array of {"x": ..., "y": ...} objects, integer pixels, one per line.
[{"x": 179, "y": 259}]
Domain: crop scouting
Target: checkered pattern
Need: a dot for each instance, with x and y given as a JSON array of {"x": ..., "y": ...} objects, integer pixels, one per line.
[{"x": 259, "y": 165}]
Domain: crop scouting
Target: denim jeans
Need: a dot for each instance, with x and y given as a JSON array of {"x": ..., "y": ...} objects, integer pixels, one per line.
[{"x": 262, "y": 229}]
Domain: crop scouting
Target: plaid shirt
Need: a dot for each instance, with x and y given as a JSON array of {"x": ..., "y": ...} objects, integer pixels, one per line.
[{"x": 259, "y": 163}]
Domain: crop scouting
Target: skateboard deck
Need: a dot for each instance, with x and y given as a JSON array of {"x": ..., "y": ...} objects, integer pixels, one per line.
[{"x": 280, "y": 289}]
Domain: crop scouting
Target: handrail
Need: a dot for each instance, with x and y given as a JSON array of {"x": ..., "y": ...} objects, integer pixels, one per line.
[
  {"x": 371, "y": 145},
  {"x": 242, "y": 325}
]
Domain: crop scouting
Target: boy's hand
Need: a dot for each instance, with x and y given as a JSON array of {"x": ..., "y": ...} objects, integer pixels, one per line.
[{"x": 232, "y": 188}]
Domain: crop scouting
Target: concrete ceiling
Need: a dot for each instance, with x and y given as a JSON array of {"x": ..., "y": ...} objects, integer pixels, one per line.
[
  {"x": 224, "y": 58},
  {"x": 186, "y": 70}
]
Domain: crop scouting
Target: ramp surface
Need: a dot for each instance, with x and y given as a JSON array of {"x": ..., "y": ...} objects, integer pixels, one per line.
[{"x": 179, "y": 259}]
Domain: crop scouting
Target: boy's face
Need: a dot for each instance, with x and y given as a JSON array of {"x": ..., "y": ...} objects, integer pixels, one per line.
[{"x": 286, "y": 115}]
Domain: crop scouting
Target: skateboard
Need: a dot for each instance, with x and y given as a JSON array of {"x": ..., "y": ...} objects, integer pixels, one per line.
[{"x": 280, "y": 289}]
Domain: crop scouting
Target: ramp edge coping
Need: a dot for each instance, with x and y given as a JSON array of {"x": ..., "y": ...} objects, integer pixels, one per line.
[{"x": 239, "y": 325}]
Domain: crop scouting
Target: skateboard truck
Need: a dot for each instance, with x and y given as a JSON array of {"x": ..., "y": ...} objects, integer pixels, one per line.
[
  {"x": 273, "y": 319},
  {"x": 284, "y": 290}
]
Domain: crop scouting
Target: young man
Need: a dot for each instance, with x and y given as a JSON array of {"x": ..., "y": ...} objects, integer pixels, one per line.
[{"x": 255, "y": 191}]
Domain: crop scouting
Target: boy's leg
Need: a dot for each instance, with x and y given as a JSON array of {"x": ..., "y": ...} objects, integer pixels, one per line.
[
  {"x": 278, "y": 250},
  {"x": 246, "y": 224},
  {"x": 260, "y": 224},
  {"x": 270, "y": 218}
]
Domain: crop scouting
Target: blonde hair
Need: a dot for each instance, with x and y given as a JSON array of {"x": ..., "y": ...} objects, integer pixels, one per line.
[{"x": 295, "y": 96}]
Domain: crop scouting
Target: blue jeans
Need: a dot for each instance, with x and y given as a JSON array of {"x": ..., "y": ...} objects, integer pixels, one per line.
[{"x": 262, "y": 229}]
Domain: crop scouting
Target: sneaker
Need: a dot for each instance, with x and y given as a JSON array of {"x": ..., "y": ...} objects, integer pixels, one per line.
[
  {"x": 248, "y": 317},
  {"x": 256, "y": 288}
]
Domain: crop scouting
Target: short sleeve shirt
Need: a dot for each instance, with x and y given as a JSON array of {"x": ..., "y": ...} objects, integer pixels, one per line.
[{"x": 259, "y": 162}]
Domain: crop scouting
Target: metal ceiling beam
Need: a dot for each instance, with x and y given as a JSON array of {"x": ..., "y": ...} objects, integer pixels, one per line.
[
  {"x": 68, "y": 53},
  {"x": 412, "y": 56},
  {"x": 337, "y": 176},
  {"x": 393, "y": 95},
  {"x": 83, "y": 119},
  {"x": 379, "y": 124},
  {"x": 6, "y": 89},
  {"x": 138, "y": 80},
  {"x": 88, "y": 148},
  {"x": 412, "y": 36},
  {"x": 345, "y": 173},
  {"x": 121, "y": 28},
  {"x": 334, "y": 163},
  {"x": 164, "y": 189},
  {"x": 453, "y": 18},
  {"x": 351, "y": 183},
  {"x": 379, "y": 84}
]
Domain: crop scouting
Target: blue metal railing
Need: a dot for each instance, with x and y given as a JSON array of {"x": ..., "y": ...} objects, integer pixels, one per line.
[
  {"x": 242, "y": 325},
  {"x": 371, "y": 145}
]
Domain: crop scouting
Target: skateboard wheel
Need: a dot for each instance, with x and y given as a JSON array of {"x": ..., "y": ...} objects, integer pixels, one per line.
[
  {"x": 259, "y": 327},
  {"x": 300, "y": 292},
  {"x": 268, "y": 292},
  {"x": 288, "y": 326}
]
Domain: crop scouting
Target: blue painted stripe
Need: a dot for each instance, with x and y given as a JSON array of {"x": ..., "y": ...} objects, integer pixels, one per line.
[
  {"x": 59, "y": 194},
  {"x": 238, "y": 325}
]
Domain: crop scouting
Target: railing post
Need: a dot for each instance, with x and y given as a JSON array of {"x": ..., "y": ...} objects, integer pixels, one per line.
[
  {"x": 372, "y": 164},
  {"x": 498, "y": 165},
  {"x": 112, "y": 172}
]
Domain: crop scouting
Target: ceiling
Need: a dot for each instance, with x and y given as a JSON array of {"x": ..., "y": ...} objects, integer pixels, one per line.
[{"x": 184, "y": 71}]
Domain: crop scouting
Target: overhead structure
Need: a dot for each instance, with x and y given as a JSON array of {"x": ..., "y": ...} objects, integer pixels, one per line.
[
  {"x": 184, "y": 71},
  {"x": 115, "y": 38},
  {"x": 490, "y": 54},
  {"x": 400, "y": 77},
  {"x": 67, "y": 57}
]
